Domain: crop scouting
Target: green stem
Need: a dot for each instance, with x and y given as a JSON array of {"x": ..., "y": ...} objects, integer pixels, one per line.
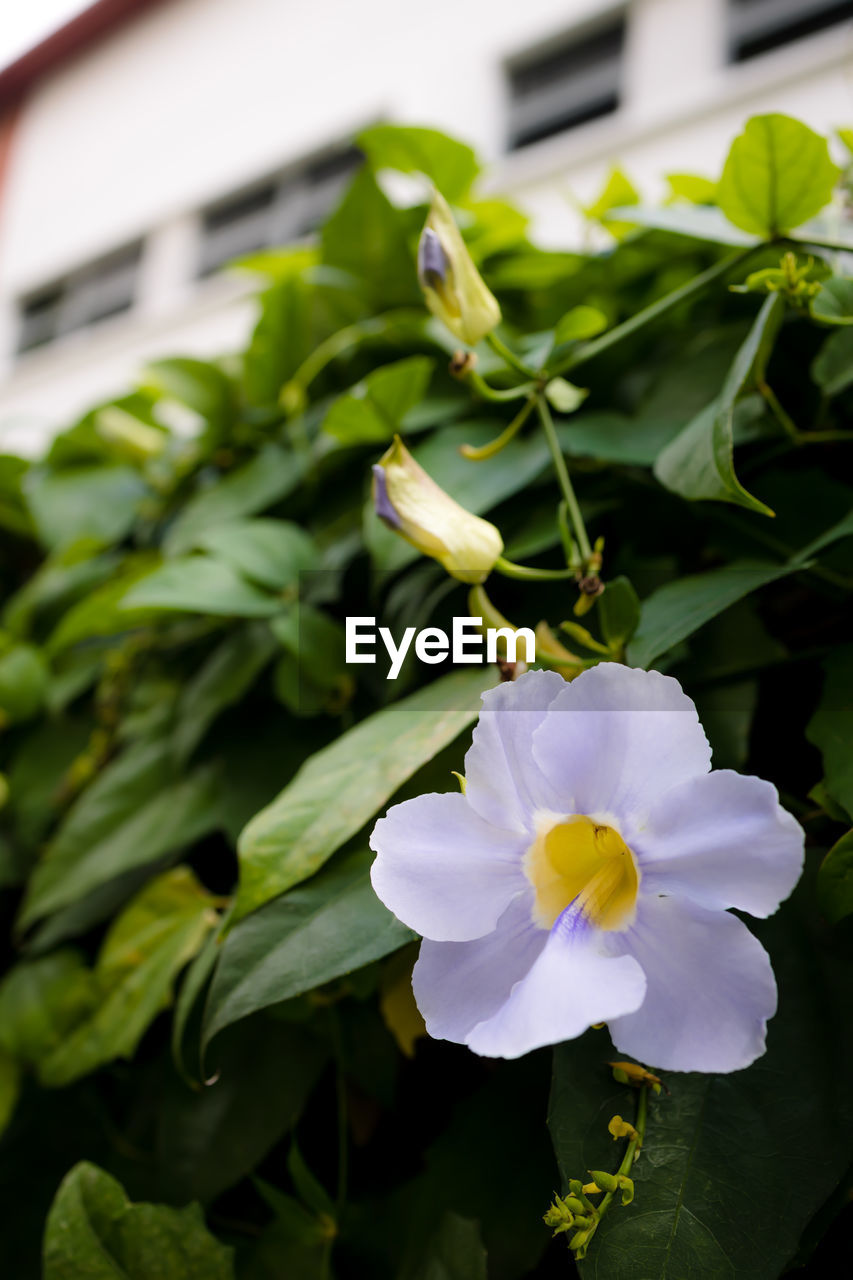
[
  {"x": 494, "y": 446},
  {"x": 528, "y": 574},
  {"x": 483, "y": 389},
  {"x": 781, "y": 415},
  {"x": 563, "y": 478},
  {"x": 332, "y": 347},
  {"x": 631, "y": 1150},
  {"x": 655, "y": 310},
  {"x": 501, "y": 349},
  {"x": 823, "y": 437}
]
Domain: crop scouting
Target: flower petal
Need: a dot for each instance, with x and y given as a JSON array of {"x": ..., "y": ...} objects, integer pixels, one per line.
[
  {"x": 458, "y": 984},
  {"x": 710, "y": 990},
  {"x": 504, "y": 783},
  {"x": 442, "y": 870},
  {"x": 615, "y": 739},
  {"x": 722, "y": 840},
  {"x": 527, "y": 995}
]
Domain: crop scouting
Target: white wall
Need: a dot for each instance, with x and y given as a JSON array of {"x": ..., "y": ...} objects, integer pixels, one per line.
[{"x": 200, "y": 96}]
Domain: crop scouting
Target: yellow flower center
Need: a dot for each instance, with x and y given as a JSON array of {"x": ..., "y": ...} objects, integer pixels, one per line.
[{"x": 579, "y": 860}]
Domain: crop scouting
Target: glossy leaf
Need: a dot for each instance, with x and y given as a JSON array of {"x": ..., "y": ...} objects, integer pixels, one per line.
[
  {"x": 835, "y": 880},
  {"x": 144, "y": 950},
  {"x": 374, "y": 409},
  {"x": 318, "y": 931},
  {"x": 292, "y": 837},
  {"x": 778, "y": 174},
  {"x": 678, "y": 609},
  {"x": 200, "y": 584},
  {"x": 699, "y": 463},
  {"x": 831, "y": 726},
  {"x": 131, "y": 815},
  {"x": 94, "y": 1231},
  {"x": 719, "y": 1186}
]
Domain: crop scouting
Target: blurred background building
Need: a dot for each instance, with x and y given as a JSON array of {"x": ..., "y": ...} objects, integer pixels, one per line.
[{"x": 144, "y": 143}]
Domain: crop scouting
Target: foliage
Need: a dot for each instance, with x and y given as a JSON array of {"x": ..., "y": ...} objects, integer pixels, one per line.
[{"x": 204, "y": 1003}]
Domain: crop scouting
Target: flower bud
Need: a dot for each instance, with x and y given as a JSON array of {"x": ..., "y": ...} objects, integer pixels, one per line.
[
  {"x": 413, "y": 505},
  {"x": 453, "y": 288}
]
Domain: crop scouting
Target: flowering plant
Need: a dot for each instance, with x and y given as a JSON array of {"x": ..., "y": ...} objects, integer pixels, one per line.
[{"x": 350, "y": 976}]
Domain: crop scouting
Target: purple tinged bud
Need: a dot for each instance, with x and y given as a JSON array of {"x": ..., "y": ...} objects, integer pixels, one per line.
[
  {"x": 433, "y": 262},
  {"x": 381, "y": 502}
]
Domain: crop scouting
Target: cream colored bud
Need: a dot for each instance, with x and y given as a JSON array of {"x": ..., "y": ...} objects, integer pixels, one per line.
[
  {"x": 413, "y": 505},
  {"x": 453, "y": 288}
]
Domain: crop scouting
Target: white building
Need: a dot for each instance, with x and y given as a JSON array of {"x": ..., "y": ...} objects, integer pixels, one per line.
[{"x": 149, "y": 140}]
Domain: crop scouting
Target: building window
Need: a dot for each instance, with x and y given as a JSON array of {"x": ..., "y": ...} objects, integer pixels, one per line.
[
  {"x": 566, "y": 84},
  {"x": 276, "y": 211},
  {"x": 101, "y": 289},
  {"x": 757, "y": 26}
]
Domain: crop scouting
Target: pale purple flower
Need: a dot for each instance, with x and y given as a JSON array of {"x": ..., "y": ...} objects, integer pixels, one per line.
[{"x": 585, "y": 876}]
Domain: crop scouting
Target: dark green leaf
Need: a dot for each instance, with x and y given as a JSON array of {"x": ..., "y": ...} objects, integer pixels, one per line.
[
  {"x": 619, "y": 613},
  {"x": 316, "y": 932},
  {"x": 723, "y": 1188},
  {"x": 675, "y": 611},
  {"x": 230, "y": 670},
  {"x": 455, "y": 1252},
  {"x": 699, "y": 463},
  {"x": 292, "y": 837},
  {"x": 93, "y": 1232},
  {"x": 449, "y": 164},
  {"x": 832, "y": 368},
  {"x": 374, "y": 409},
  {"x": 271, "y": 553},
  {"x": 86, "y": 502},
  {"x": 835, "y": 880},
  {"x": 831, "y": 726},
  {"x": 199, "y": 584}
]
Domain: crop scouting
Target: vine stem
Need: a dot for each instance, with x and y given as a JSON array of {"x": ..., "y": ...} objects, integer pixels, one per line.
[
  {"x": 632, "y": 1148},
  {"x": 483, "y": 389},
  {"x": 565, "y": 483},
  {"x": 655, "y": 309},
  {"x": 479, "y": 454},
  {"x": 529, "y": 574},
  {"x": 506, "y": 354}
]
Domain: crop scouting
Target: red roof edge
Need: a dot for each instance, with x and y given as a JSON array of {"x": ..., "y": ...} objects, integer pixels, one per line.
[{"x": 76, "y": 35}]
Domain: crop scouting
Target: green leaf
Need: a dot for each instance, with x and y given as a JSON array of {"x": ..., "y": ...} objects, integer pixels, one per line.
[
  {"x": 831, "y": 726},
  {"x": 10, "y": 1084},
  {"x": 778, "y": 173},
  {"x": 198, "y": 384},
  {"x": 842, "y": 529},
  {"x": 93, "y": 1232},
  {"x": 268, "y": 477},
  {"x": 271, "y": 553},
  {"x": 134, "y": 813},
  {"x": 455, "y": 1252},
  {"x": 565, "y": 396},
  {"x": 697, "y": 222},
  {"x": 200, "y": 584},
  {"x": 374, "y": 409},
  {"x": 833, "y": 303},
  {"x": 450, "y": 165},
  {"x": 23, "y": 683},
  {"x": 341, "y": 787},
  {"x": 84, "y": 502},
  {"x": 678, "y": 609},
  {"x": 579, "y": 323},
  {"x": 146, "y": 947},
  {"x": 101, "y": 612},
  {"x": 618, "y": 192},
  {"x": 367, "y": 237},
  {"x": 734, "y": 1166},
  {"x": 835, "y": 880},
  {"x": 699, "y": 462},
  {"x": 318, "y": 931},
  {"x": 209, "y": 1139},
  {"x": 619, "y": 613},
  {"x": 41, "y": 1001},
  {"x": 832, "y": 367},
  {"x": 692, "y": 187},
  {"x": 224, "y": 678}
]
